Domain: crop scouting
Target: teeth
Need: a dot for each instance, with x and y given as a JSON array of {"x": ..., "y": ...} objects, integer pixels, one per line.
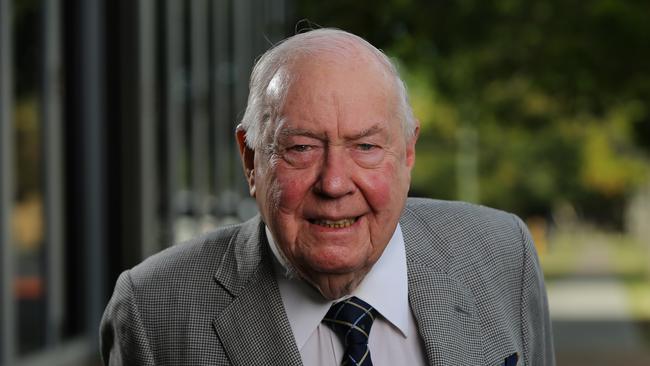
[{"x": 338, "y": 224}]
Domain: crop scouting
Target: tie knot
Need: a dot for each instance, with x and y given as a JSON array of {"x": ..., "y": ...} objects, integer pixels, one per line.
[{"x": 351, "y": 320}]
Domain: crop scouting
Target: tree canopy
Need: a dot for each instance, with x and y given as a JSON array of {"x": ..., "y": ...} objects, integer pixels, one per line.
[{"x": 524, "y": 105}]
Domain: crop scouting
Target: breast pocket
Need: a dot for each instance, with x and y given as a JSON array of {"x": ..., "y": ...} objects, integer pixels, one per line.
[{"x": 511, "y": 360}]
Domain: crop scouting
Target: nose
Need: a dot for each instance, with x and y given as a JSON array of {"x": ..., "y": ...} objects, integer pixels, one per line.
[{"x": 335, "y": 178}]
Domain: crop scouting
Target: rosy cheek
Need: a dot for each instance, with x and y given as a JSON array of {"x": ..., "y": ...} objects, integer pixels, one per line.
[
  {"x": 383, "y": 186},
  {"x": 292, "y": 186},
  {"x": 377, "y": 189}
]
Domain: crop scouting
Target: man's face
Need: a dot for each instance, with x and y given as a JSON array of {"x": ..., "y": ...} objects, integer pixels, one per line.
[{"x": 334, "y": 186}]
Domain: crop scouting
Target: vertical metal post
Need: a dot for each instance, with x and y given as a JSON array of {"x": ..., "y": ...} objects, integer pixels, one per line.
[
  {"x": 92, "y": 112},
  {"x": 199, "y": 106},
  {"x": 147, "y": 118},
  {"x": 173, "y": 108},
  {"x": 222, "y": 115},
  {"x": 243, "y": 51},
  {"x": 7, "y": 174},
  {"x": 53, "y": 170}
]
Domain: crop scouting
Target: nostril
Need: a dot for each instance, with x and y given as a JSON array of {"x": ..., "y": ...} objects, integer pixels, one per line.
[{"x": 334, "y": 187}]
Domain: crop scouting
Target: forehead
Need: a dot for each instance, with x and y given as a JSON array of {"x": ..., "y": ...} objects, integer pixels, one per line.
[{"x": 348, "y": 94}]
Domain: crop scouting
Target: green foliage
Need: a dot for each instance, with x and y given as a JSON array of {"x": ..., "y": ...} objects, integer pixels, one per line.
[{"x": 556, "y": 91}]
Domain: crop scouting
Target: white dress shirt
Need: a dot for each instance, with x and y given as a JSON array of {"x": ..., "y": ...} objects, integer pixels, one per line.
[{"x": 394, "y": 338}]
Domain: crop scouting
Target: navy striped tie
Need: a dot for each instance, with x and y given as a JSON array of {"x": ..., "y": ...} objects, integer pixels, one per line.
[{"x": 351, "y": 320}]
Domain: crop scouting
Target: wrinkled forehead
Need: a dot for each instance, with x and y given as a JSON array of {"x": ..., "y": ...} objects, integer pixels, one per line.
[{"x": 331, "y": 90}]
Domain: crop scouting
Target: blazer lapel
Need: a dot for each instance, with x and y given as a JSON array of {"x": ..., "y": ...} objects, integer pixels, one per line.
[
  {"x": 253, "y": 328},
  {"x": 444, "y": 308}
]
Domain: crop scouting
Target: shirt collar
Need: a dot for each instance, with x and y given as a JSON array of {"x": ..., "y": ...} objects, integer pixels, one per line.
[{"x": 306, "y": 308}]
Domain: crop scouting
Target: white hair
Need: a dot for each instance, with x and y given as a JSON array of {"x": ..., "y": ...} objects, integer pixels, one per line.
[{"x": 264, "y": 107}]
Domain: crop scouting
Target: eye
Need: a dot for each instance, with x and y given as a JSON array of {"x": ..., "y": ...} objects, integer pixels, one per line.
[
  {"x": 367, "y": 154},
  {"x": 301, "y": 155},
  {"x": 300, "y": 148},
  {"x": 366, "y": 147}
]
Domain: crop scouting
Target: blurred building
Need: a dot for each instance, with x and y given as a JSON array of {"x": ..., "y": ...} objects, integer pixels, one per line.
[
  {"x": 116, "y": 126},
  {"x": 116, "y": 140}
]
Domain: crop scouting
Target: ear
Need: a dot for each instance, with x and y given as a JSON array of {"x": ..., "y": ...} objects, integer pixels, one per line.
[
  {"x": 247, "y": 158},
  {"x": 410, "y": 146}
]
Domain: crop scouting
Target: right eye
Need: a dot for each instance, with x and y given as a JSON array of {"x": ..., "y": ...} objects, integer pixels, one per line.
[
  {"x": 300, "y": 148},
  {"x": 301, "y": 155}
]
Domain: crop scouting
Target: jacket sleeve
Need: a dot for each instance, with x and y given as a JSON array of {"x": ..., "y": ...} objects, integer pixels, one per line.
[
  {"x": 122, "y": 336},
  {"x": 535, "y": 323}
]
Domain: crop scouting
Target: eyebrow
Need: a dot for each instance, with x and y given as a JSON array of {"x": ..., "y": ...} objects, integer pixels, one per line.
[
  {"x": 372, "y": 130},
  {"x": 285, "y": 132}
]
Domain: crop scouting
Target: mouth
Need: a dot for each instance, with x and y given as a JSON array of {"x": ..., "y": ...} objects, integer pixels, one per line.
[{"x": 335, "y": 224}]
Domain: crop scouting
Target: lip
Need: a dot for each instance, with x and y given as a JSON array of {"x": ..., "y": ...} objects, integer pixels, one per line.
[{"x": 334, "y": 229}]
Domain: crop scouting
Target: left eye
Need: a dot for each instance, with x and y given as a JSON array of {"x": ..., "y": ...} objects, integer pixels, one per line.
[
  {"x": 300, "y": 148},
  {"x": 365, "y": 147}
]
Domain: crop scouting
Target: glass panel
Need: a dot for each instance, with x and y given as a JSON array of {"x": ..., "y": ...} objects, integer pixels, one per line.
[
  {"x": 184, "y": 223},
  {"x": 27, "y": 220},
  {"x": 75, "y": 277}
]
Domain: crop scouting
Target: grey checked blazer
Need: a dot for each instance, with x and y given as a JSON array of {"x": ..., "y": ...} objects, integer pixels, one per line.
[{"x": 475, "y": 288}]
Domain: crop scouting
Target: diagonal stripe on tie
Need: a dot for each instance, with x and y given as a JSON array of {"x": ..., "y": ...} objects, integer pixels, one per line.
[{"x": 351, "y": 320}]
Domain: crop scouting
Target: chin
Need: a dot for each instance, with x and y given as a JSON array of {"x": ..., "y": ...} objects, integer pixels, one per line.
[
  {"x": 337, "y": 268},
  {"x": 339, "y": 264},
  {"x": 334, "y": 286}
]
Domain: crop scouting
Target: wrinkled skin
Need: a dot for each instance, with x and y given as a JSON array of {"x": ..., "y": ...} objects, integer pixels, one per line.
[{"x": 334, "y": 182}]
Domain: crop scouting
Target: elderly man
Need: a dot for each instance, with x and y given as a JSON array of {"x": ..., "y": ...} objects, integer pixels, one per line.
[{"x": 339, "y": 267}]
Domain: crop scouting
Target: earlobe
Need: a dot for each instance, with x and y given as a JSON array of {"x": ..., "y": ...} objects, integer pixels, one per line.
[
  {"x": 251, "y": 182},
  {"x": 410, "y": 145},
  {"x": 247, "y": 158}
]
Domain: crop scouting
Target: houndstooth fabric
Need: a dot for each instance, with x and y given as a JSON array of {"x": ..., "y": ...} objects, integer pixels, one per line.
[
  {"x": 351, "y": 320},
  {"x": 475, "y": 288}
]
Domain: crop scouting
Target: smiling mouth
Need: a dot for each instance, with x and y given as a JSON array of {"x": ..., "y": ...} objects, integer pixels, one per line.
[{"x": 335, "y": 224}]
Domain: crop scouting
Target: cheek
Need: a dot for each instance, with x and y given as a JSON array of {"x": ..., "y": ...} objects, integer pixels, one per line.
[
  {"x": 290, "y": 188},
  {"x": 382, "y": 187},
  {"x": 378, "y": 189}
]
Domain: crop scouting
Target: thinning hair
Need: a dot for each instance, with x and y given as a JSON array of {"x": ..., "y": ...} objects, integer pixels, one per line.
[{"x": 263, "y": 107}]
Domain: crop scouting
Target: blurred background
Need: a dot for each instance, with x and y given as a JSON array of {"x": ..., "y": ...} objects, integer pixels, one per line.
[{"x": 116, "y": 141}]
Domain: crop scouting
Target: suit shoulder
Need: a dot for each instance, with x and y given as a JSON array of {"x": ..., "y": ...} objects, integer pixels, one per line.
[
  {"x": 458, "y": 214},
  {"x": 170, "y": 295},
  {"x": 462, "y": 232}
]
